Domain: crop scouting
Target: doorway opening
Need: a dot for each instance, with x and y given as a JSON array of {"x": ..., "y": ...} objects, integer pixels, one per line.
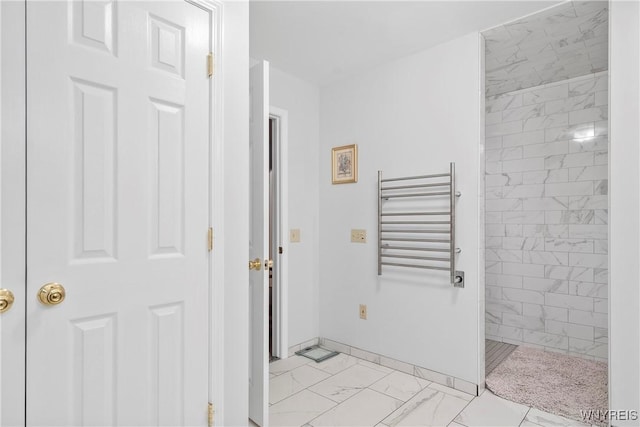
[
  {"x": 278, "y": 345},
  {"x": 272, "y": 218},
  {"x": 546, "y": 208}
]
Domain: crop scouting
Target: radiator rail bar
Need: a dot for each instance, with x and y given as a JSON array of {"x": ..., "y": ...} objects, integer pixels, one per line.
[{"x": 414, "y": 228}]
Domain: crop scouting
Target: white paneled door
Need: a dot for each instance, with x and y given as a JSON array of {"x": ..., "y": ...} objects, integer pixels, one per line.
[
  {"x": 258, "y": 244},
  {"x": 118, "y": 107}
]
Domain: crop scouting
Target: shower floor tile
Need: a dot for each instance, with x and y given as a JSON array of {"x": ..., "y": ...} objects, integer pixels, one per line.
[{"x": 495, "y": 353}]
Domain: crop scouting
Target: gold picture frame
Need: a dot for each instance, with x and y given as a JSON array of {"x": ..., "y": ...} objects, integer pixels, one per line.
[{"x": 344, "y": 164}]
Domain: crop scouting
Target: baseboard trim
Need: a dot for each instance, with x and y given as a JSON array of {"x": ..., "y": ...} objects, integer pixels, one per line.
[{"x": 418, "y": 371}]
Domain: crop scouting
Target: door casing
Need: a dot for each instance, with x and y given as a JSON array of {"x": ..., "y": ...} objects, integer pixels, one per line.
[{"x": 280, "y": 225}]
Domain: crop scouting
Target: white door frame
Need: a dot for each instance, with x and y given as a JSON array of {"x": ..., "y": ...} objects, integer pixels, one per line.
[
  {"x": 216, "y": 213},
  {"x": 280, "y": 224},
  {"x": 481, "y": 230},
  {"x": 12, "y": 204}
]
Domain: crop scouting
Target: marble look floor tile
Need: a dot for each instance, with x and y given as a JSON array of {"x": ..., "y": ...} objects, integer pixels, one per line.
[
  {"x": 491, "y": 410},
  {"x": 298, "y": 409},
  {"x": 366, "y": 408},
  {"x": 283, "y": 365},
  {"x": 291, "y": 382},
  {"x": 452, "y": 391},
  {"x": 343, "y": 361},
  {"x": 347, "y": 383},
  {"x": 540, "y": 418},
  {"x": 427, "y": 408},
  {"x": 337, "y": 363},
  {"x": 400, "y": 385},
  {"x": 347, "y": 391}
]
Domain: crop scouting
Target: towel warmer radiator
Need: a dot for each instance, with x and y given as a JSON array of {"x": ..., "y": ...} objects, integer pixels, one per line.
[{"x": 403, "y": 233}]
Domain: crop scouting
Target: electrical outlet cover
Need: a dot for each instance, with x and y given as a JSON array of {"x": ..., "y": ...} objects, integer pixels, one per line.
[{"x": 363, "y": 311}]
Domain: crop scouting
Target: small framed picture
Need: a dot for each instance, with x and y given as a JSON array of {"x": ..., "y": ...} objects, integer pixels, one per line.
[{"x": 344, "y": 164}]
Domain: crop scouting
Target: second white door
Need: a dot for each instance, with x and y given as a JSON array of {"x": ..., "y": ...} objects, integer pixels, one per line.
[{"x": 259, "y": 244}]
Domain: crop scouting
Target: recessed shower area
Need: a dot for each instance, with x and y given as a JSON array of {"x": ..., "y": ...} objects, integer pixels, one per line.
[{"x": 546, "y": 205}]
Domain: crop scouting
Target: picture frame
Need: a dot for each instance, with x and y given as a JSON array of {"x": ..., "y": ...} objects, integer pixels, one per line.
[{"x": 344, "y": 164}]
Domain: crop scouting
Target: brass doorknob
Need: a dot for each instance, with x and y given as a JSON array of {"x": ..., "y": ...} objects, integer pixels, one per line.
[
  {"x": 51, "y": 294},
  {"x": 256, "y": 264},
  {"x": 6, "y": 300},
  {"x": 268, "y": 263}
]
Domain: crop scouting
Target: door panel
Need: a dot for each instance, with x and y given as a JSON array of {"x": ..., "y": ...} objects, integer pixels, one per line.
[
  {"x": 94, "y": 134},
  {"x": 94, "y": 355},
  {"x": 93, "y": 24},
  {"x": 259, "y": 244},
  {"x": 165, "y": 173},
  {"x": 118, "y": 196}
]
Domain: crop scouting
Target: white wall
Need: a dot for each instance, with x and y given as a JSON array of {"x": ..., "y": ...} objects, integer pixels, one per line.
[
  {"x": 624, "y": 230},
  {"x": 233, "y": 240},
  {"x": 411, "y": 116},
  {"x": 12, "y": 213},
  {"x": 301, "y": 100}
]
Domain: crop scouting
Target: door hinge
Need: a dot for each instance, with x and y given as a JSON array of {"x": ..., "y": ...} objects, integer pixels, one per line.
[
  {"x": 279, "y": 249},
  {"x": 210, "y": 239},
  {"x": 210, "y": 65},
  {"x": 211, "y": 412}
]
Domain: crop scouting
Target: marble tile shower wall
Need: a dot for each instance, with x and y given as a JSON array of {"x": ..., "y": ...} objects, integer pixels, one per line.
[{"x": 546, "y": 216}]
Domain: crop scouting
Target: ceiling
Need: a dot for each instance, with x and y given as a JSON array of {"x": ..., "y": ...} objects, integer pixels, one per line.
[
  {"x": 325, "y": 41},
  {"x": 566, "y": 41}
]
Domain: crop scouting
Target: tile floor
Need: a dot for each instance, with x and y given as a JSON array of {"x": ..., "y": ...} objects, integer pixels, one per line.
[{"x": 347, "y": 391}]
